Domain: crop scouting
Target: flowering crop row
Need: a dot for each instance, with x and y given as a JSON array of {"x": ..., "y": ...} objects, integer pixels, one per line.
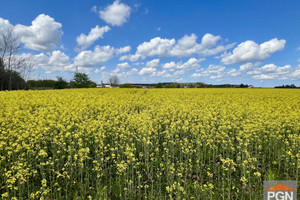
[{"x": 139, "y": 143}]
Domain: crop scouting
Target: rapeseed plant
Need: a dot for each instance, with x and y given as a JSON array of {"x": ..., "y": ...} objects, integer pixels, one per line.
[{"x": 155, "y": 144}]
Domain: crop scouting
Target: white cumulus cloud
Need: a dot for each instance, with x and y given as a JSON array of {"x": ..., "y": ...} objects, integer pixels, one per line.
[
  {"x": 217, "y": 70},
  {"x": 246, "y": 67},
  {"x": 190, "y": 64},
  {"x": 184, "y": 47},
  {"x": 5, "y": 24},
  {"x": 43, "y": 34},
  {"x": 147, "y": 71},
  {"x": 153, "y": 63},
  {"x": 90, "y": 58},
  {"x": 250, "y": 51},
  {"x": 271, "y": 71},
  {"x": 125, "y": 49},
  {"x": 87, "y": 40},
  {"x": 122, "y": 67},
  {"x": 296, "y": 73},
  {"x": 96, "y": 57},
  {"x": 55, "y": 61},
  {"x": 234, "y": 72},
  {"x": 115, "y": 14},
  {"x": 155, "y": 47}
]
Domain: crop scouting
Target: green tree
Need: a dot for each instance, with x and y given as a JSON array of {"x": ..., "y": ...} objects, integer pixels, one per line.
[
  {"x": 159, "y": 85},
  {"x": 82, "y": 80},
  {"x": 200, "y": 85},
  {"x": 60, "y": 83},
  {"x": 244, "y": 86}
]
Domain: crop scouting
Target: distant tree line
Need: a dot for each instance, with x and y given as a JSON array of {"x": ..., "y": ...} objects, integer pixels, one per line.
[
  {"x": 41, "y": 84},
  {"x": 198, "y": 85},
  {"x": 182, "y": 85},
  {"x": 287, "y": 86},
  {"x": 227, "y": 86},
  {"x": 126, "y": 85},
  {"x": 80, "y": 80}
]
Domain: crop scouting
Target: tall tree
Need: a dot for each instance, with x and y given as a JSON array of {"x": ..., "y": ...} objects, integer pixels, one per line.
[
  {"x": 114, "y": 80},
  {"x": 9, "y": 45},
  {"x": 82, "y": 80},
  {"x": 2, "y": 73},
  {"x": 12, "y": 63}
]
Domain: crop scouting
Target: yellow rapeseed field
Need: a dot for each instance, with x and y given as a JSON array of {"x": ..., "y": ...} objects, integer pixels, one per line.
[{"x": 147, "y": 143}]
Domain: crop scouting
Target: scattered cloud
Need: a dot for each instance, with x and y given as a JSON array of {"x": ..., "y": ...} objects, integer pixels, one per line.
[
  {"x": 87, "y": 40},
  {"x": 184, "y": 47},
  {"x": 178, "y": 73},
  {"x": 133, "y": 71},
  {"x": 55, "y": 61},
  {"x": 125, "y": 49},
  {"x": 246, "y": 67},
  {"x": 296, "y": 73},
  {"x": 59, "y": 58},
  {"x": 90, "y": 58},
  {"x": 96, "y": 57},
  {"x": 147, "y": 71},
  {"x": 122, "y": 67},
  {"x": 215, "y": 69},
  {"x": 94, "y": 9},
  {"x": 212, "y": 69},
  {"x": 250, "y": 51},
  {"x": 153, "y": 63},
  {"x": 43, "y": 34},
  {"x": 115, "y": 14},
  {"x": 98, "y": 71},
  {"x": 170, "y": 66},
  {"x": 265, "y": 76},
  {"x": 169, "y": 69},
  {"x": 234, "y": 72},
  {"x": 217, "y": 77},
  {"x": 271, "y": 71},
  {"x": 191, "y": 64},
  {"x": 136, "y": 7},
  {"x": 156, "y": 47},
  {"x": 174, "y": 71},
  {"x": 124, "y": 74}
]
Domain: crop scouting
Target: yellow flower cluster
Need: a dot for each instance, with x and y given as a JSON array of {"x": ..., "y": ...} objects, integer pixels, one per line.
[{"x": 147, "y": 143}]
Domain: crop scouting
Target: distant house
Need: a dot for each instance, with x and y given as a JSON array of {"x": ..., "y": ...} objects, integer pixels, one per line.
[
  {"x": 106, "y": 85},
  {"x": 143, "y": 85},
  {"x": 137, "y": 85}
]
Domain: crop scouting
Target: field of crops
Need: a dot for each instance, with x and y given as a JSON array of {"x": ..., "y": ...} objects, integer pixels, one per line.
[{"x": 147, "y": 143}]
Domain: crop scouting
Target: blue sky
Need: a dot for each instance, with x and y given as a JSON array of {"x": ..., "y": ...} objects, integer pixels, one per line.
[{"x": 220, "y": 41}]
